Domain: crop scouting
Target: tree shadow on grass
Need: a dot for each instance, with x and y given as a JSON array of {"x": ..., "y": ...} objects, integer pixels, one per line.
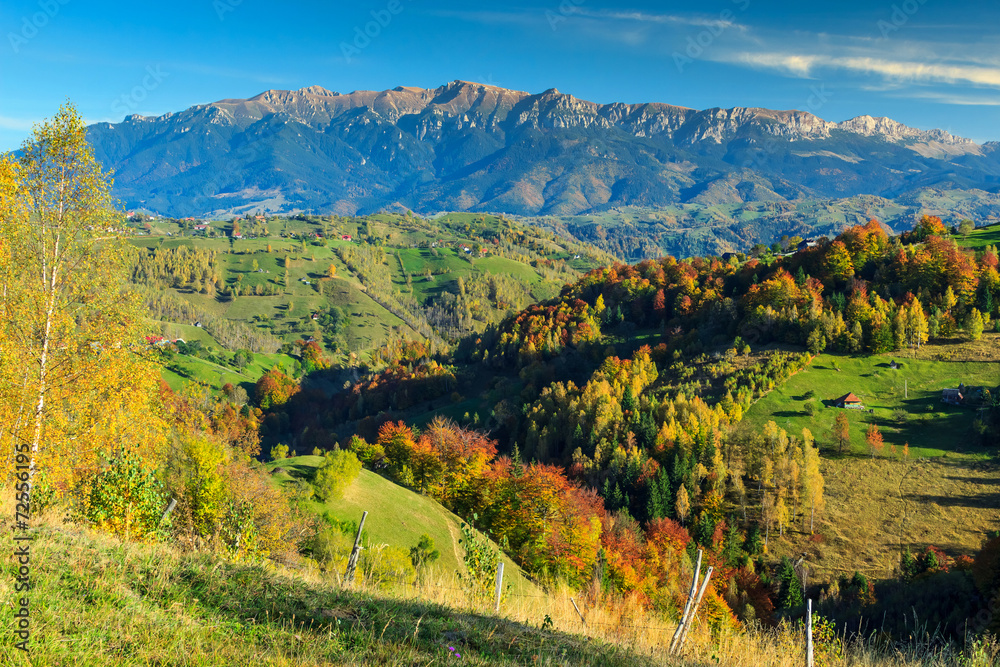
[
  {"x": 790, "y": 413},
  {"x": 982, "y": 501}
]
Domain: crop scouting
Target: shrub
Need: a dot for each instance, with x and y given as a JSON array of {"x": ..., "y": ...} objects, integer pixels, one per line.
[
  {"x": 367, "y": 453},
  {"x": 339, "y": 470},
  {"x": 810, "y": 407},
  {"x": 424, "y": 552},
  {"x": 481, "y": 561},
  {"x": 386, "y": 565},
  {"x": 125, "y": 498},
  {"x": 330, "y": 546}
]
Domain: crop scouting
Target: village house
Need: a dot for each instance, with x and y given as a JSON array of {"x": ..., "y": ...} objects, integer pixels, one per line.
[
  {"x": 849, "y": 402},
  {"x": 952, "y": 396}
]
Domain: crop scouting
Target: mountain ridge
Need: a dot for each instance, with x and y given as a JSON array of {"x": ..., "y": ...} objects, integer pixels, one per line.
[{"x": 469, "y": 146}]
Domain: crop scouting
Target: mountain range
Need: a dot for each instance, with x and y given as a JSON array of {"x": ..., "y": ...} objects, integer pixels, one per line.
[{"x": 467, "y": 146}]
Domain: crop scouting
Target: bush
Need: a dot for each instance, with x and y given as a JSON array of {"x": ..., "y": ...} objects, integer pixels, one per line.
[
  {"x": 387, "y": 565},
  {"x": 810, "y": 407},
  {"x": 424, "y": 552},
  {"x": 340, "y": 469},
  {"x": 125, "y": 498},
  {"x": 900, "y": 415},
  {"x": 481, "y": 561},
  {"x": 367, "y": 453},
  {"x": 331, "y": 547}
]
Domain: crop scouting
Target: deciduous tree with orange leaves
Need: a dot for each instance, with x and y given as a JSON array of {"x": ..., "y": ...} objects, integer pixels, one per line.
[{"x": 874, "y": 438}]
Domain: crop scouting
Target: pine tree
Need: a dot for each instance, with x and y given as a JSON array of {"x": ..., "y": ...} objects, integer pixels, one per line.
[{"x": 790, "y": 594}]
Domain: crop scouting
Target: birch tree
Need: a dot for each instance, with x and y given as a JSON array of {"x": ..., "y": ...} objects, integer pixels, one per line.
[{"x": 75, "y": 379}]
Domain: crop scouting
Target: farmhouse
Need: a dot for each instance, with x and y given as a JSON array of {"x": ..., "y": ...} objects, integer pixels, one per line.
[
  {"x": 894, "y": 365},
  {"x": 849, "y": 401},
  {"x": 952, "y": 396}
]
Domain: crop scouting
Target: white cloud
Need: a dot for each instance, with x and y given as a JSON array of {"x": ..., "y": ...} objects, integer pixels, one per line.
[
  {"x": 956, "y": 99},
  {"x": 663, "y": 19},
  {"x": 18, "y": 124},
  {"x": 804, "y": 65}
]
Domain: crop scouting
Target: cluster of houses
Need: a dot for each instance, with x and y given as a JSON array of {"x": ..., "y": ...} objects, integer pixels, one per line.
[{"x": 160, "y": 341}]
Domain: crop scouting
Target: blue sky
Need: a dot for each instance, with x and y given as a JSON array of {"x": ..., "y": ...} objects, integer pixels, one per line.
[{"x": 925, "y": 63}]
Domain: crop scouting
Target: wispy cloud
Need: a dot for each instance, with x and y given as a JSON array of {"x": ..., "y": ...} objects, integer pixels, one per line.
[
  {"x": 535, "y": 17},
  {"x": 700, "y": 21},
  {"x": 955, "y": 99},
  {"x": 805, "y": 65},
  {"x": 18, "y": 124}
]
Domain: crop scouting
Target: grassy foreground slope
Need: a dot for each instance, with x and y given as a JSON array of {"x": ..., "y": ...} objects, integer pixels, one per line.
[
  {"x": 397, "y": 517},
  {"x": 99, "y": 602}
]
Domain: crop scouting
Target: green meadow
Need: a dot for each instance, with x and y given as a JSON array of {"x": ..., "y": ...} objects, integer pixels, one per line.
[{"x": 906, "y": 403}]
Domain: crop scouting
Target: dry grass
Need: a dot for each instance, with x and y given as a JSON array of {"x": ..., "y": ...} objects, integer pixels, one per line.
[
  {"x": 102, "y": 602},
  {"x": 876, "y": 508}
]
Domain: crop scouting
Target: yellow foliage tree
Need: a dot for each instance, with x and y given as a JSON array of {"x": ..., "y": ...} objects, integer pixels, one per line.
[{"x": 76, "y": 382}]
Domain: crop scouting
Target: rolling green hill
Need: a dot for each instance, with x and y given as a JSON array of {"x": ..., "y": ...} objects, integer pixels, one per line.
[
  {"x": 906, "y": 402},
  {"x": 397, "y": 517},
  {"x": 392, "y": 277}
]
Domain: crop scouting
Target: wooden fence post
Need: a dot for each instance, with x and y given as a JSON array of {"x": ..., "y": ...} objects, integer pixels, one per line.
[
  {"x": 170, "y": 508},
  {"x": 582, "y": 619},
  {"x": 687, "y": 605},
  {"x": 809, "y": 633},
  {"x": 352, "y": 562},
  {"x": 697, "y": 603},
  {"x": 499, "y": 585}
]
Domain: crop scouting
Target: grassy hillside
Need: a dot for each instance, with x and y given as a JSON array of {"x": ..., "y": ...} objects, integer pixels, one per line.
[
  {"x": 398, "y": 517},
  {"x": 906, "y": 402},
  {"x": 981, "y": 237},
  {"x": 943, "y": 494},
  {"x": 395, "y": 277},
  {"x": 97, "y": 601}
]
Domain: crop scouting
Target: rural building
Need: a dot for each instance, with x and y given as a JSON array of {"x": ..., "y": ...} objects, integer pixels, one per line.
[
  {"x": 952, "y": 396},
  {"x": 894, "y": 365},
  {"x": 849, "y": 401}
]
